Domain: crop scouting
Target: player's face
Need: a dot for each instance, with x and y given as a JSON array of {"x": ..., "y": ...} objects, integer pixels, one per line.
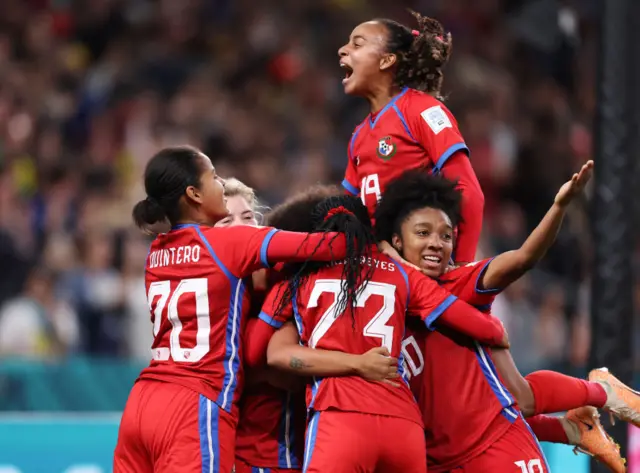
[
  {"x": 240, "y": 213},
  {"x": 211, "y": 192},
  {"x": 426, "y": 240},
  {"x": 361, "y": 58}
]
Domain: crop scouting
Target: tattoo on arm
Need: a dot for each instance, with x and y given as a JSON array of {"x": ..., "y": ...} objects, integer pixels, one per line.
[{"x": 297, "y": 363}]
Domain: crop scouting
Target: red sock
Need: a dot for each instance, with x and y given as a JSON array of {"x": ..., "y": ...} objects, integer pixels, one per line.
[
  {"x": 548, "y": 429},
  {"x": 556, "y": 392}
]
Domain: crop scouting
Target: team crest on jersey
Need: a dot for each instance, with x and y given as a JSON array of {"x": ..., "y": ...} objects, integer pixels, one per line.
[{"x": 386, "y": 148}]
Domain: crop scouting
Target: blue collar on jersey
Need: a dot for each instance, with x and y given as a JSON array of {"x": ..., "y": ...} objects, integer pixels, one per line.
[
  {"x": 180, "y": 226},
  {"x": 372, "y": 122}
]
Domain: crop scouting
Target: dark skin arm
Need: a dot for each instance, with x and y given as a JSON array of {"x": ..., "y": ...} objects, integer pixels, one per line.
[
  {"x": 508, "y": 267},
  {"x": 286, "y": 353}
]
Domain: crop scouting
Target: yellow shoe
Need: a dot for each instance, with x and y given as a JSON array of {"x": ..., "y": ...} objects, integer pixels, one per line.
[
  {"x": 622, "y": 401},
  {"x": 588, "y": 435}
]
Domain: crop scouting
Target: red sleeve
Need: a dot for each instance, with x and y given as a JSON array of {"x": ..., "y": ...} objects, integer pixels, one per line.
[
  {"x": 245, "y": 249},
  {"x": 434, "y": 127},
  {"x": 434, "y": 304},
  {"x": 259, "y": 331},
  {"x": 464, "y": 282},
  {"x": 458, "y": 167},
  {"x": 351, "y": 183}
]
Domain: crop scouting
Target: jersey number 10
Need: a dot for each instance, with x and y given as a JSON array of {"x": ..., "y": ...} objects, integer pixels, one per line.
[
  {"x": 161, "y": 291},
  {"x": 377, "y": 326}
]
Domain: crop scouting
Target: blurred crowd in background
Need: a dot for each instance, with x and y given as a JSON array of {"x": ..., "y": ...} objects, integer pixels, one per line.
[{"x": 89, "y": 90}]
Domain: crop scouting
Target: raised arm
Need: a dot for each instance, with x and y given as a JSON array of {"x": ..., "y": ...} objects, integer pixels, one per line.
[
  {"x": 510, "y": 266},
  {"x": 286, "y": 353}
]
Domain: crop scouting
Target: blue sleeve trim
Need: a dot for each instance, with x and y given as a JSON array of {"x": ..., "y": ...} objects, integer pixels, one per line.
[
  {"x": 270, "y": 320},
  {"x": 482, "y": 271},
  {"x": 265, "y": 246},
  {"x": 442, "y": 160},
  {"x": 353, "y": 139},
  {"x": 438, "y": 311},
  {"x": 350, "y": 188},
  {"x": 404, "y": 122}
]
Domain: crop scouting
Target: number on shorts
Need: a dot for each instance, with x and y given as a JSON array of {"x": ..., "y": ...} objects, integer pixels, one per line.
[
  {"x": 159, "y": 294},
  {"x": 532, "y": 466},
  {"x": 377, "y": 326}
]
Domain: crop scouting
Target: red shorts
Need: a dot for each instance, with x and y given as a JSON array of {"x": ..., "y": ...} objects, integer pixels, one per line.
[
  {"x": 242, "y": 467},
  {"x": 169, "y": 428},
  {"x": 517, "y": 451},
  {"x": 344, "y": 442}
]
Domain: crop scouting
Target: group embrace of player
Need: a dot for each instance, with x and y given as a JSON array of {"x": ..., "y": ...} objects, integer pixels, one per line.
[{"x": 340, "y": 338}]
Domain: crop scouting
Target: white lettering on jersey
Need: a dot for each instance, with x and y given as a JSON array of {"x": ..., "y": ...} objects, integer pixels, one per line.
[
  {"x": 412, "y": 367},
  {"x": 436, "y": 118},
  {"x": 171, "y": 256},
  {"x": 370, "y": 185}
]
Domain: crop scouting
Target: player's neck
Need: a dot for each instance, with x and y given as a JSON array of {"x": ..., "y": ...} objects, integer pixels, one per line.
[
  {"x": 193, "y": 221},
  {"x": 380, "y": 99}
]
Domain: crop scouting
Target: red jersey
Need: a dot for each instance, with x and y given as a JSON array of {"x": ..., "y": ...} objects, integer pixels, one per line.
[
  {"x": 198, "y": 300},
  {"x": 271, "y": 427},
  {"x": 272, "y": 421},
  {"x": 379, "y": 319},
  {"x": 464, "y": 404},
  {"x": 413, "y": 130}
]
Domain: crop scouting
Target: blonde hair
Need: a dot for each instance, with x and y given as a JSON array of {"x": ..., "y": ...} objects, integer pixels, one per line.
[{"x": 234, "y": 187}]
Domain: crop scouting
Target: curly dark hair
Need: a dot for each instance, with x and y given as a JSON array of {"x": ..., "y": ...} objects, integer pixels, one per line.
[
  {"x": 345, "y": 214},
  {"x": 411, "y": 191},
  {"x": 420, "y": 57}
]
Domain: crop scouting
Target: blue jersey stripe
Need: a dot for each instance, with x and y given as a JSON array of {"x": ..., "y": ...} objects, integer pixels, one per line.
[
  {"x": 353, "y": 140},
  {"x": 350, "y": 188},
  {"x": 438, "y": 311},
  {"x": 499, "y": 390},
  {"x": 404, "y": 122},
  {"x": 232, "y": 332},
  {"x": 265, "y": 246},
  {"x": 208, "y": 425},
  {"x": 286, "y": 447},
  {"x": 535, "y": 439},
  {"x": 270, "y": 320},
  {"x": 373, "y": 123},
  {"x": 312, "y": 432}
]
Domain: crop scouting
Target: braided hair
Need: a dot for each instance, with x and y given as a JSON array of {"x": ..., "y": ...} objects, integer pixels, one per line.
[
  {"x": 347, "y": 215},
  {"x": 421, "y": 54},
  {"x": 414, "y": 190}
]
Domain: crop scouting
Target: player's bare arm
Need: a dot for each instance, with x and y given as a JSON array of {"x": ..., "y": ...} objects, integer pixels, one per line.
[
  {"x": 286, "y": 353},
  {"x": 507, "y": 267}
]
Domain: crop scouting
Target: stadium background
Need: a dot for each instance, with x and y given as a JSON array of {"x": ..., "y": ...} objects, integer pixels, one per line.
[{"x": 89, "y": 90}]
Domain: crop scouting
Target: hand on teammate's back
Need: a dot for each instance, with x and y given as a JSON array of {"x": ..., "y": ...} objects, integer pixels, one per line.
[{"x": 378, "y": 365}]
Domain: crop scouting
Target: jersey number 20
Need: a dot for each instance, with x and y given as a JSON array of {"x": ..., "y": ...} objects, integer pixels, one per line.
[
  {"x": 161, "y": 290},
  {"x": 377, "y": 326}
]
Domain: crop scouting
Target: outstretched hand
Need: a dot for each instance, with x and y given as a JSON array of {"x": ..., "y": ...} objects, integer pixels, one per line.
[{"x": 575, "y": 186}]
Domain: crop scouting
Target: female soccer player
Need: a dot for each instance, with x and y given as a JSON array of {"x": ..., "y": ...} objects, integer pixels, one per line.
[
  {"x": 399, "y": 71},
  {"x": 354, "y": 305},
  {"x": 242, "y": 204},
  {"x": 416, "y": 215},
  {"x": 182, "y": 412},
  {"x": 472, "y": 388}
]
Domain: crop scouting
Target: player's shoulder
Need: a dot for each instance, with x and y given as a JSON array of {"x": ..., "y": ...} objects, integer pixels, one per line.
[
  {"x": 465, "y": 270},
  {"x": 233, "y": 234},
  {"x": 433, "y": 111}
]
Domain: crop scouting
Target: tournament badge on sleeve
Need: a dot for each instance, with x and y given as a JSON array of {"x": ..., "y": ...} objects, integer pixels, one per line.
[{"x": 386, "y": 148}]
